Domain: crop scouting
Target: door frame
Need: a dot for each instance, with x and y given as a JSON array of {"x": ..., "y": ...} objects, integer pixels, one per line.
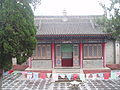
[{"x": 68, "y": 60}]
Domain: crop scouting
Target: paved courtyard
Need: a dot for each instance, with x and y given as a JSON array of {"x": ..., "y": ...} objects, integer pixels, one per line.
[{"x": 17, "y": 82}]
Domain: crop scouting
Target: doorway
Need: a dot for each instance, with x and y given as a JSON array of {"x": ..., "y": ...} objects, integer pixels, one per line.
[{"x": 67, "y": 55}]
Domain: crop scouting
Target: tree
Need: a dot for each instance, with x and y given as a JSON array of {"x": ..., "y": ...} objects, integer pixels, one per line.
[
  {"x": 35, "y": 3},
  {"x": 111, "y": 19},
  {"x": 17, "y": 31}
]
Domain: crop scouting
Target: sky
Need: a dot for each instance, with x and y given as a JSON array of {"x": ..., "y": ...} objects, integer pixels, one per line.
[{"x": 72, "y": 7}]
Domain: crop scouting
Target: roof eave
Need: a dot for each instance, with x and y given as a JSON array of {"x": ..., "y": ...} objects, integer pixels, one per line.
[{"x": 49, "y": 35}]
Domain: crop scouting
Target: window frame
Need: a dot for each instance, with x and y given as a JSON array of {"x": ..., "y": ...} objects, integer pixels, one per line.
[
  {"x": 92, "y": 57},
  {"x": 76, "y": 50},
  {"x": 40, "y": 55},
  {"x": 58, "y": 50}
]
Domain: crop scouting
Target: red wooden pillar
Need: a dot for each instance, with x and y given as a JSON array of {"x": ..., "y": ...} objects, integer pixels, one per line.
[
  {"x": 53, "y": 55},
  {"x": 81, "y": 55},
  {"x": 104, "y": 55}
]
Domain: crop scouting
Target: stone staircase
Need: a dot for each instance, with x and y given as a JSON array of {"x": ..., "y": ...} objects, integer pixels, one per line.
[
  {"x": 73, "y": 70},
  {"x": 67, "y": 71}
]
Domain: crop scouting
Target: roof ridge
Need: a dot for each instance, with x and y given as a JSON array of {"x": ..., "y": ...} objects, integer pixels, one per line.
[
  {"x": 67, "y": 15},
  {"x": 81, "y": 16}
]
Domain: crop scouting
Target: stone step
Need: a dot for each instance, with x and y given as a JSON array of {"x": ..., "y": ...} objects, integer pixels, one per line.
[
  {"x": 66, "y": 79},
  {"x": 67, "y": 71}
]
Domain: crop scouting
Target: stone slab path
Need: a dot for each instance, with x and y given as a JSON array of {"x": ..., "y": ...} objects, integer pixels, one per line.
[{"x": 18, "y": 82}]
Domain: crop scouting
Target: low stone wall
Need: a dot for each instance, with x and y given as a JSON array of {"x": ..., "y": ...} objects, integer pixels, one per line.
[
  {"x": 97, "y": 71},
  {"x": 113, "y": 66},
  {"x": 20, "y": 67}
]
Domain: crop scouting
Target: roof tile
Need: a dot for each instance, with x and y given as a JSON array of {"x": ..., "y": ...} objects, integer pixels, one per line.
[{"x": 53, "y": 25}]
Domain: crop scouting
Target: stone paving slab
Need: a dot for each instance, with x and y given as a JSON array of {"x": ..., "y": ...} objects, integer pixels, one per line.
[{"x": 17, "y": 82}]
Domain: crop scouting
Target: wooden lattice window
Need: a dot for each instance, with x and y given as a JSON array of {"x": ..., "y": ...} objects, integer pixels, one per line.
[
  {"x": 76, "y": 50},
  {"x": 92, "y": 51},
  {"x": 43, "y": 52},
  {"x": 58, "y": 50}
]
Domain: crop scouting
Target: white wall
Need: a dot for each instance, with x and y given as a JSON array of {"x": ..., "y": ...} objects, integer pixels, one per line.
[
  {"x": 117, "y": 49},
  {"x": 92, "y": 63},
  {"x": 42, "y": 64},
  {"x": 110, "y": 52}
]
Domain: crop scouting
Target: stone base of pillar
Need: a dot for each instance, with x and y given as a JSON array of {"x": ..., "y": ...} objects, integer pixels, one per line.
[{"x": 14, "y": 61}]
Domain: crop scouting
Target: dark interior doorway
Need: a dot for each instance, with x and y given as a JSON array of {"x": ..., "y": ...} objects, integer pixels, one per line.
[{"x": 67, "y": 55}]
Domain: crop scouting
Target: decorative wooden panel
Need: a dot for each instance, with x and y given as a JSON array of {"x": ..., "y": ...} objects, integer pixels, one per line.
[
  {"x": 58, "y": 54},
  {"x": 75, "y": 55}
]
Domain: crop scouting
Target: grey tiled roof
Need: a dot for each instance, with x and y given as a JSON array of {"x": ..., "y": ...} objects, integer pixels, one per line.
[{"x": 61, "y": 25}]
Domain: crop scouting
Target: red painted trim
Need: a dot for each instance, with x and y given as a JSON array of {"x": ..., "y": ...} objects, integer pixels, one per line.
[
  {"x": 53, "y": 55},
  {"x": 81, "y": 55},
  {"x": 104, "y": 55}
]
